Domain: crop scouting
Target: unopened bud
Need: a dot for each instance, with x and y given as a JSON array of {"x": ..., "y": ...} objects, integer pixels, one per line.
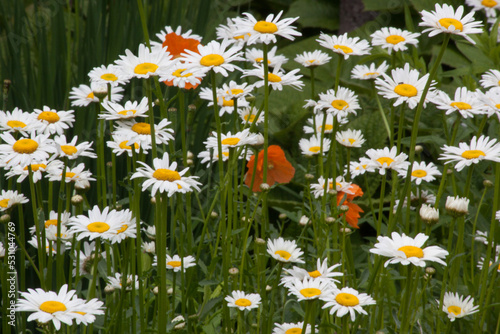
[
  {"x": 82, "y": 186},
  {"x": 5, "y": 218},
  {"x": 282, "y": 216},
  {"x": 157, "y": 102},
  {"x": 214, "y": 215},
  {"x": 429, "y": 214},
  {"x": 191, "y": 107},
  {"x": 156, "y": 290},
  {"x": 344, "y": 208},
  {"x": 118, "y": 206},
  {"x": 269, "y": 288},
  {"x": 345, "y": 230},
  {"x": 250, "y": 98},
  {"x": 418, "y": 148},
  {"x": 264, "y": 187},
  {"x": 309, "y": 177},
  {"x": 189, "y": 162},
  {"x": 487, "y": 183},
  {"x": 430, "y": 270},
  {"x": 457, "y": 206},
  {"x": 180, "y": 326},
  {"x": 109, "y": 164},
  {"x": 304, "y": 220},
  {"x": 100, "y": 91},
  {"x": 170, "y": 291},
  {"x": 172, "y": 109},
  {"x": 449, "y": 171},
  {"x": 234, "y": 271},
  {"x": 109, "y": 289},
  {"x": 190, "y": 155},
  {"x": 332, "y": 192},
  {"x": 260, "y": 241},
  {"x": 6, "y": 85},
  {"x": 153, "y": 200},
  {"x": 329, "y": 220},
  {"x": 259, "y": 140}
]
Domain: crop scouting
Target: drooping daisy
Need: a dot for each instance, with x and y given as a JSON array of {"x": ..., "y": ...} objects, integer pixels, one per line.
[
  {"x": 350, "y": 138},
  {"x": 405, "y": 250},
  {"x": 96, "y": 224},
  {"x": 229, "y": 140},
  {"x": 256, "y": 57},
  {"x": 53, "y": 121},
  {"x": 481, "y": 148},
  {"x": 312, "y": 59},
  {"x": 347, "y": 300},
  {"x": 225, "y": 103},
  {"x": 248, "y": 116},
  {"x": 119, "y": 145},
  {"x": 116, "y": 282},
  {"x": 490, "y": 79},
  {"x": 140, "y": 132},
  {"x": 78, "y": 174},
  {"x": 321, "y": 272},
  {"x": 243, "y": 301},
  {"x": 421, "y": 172},
  {"x": 490, "y": 7},
  {"x": 446, "y": 20},
  {"x": 18, "y": 121},
  {"x": 229, "y": 32},
  {"x": 177, "y": 76},
  {"x": 165, "y": 178},
  {"x": 25, "y": 151},
  {"x": 455, "y": 306},
  {"x": 83, "y": 95},
  {"x": 465, "y": 102},
  {"x": 344, "y": 45},
  {"x": 176, "y": 263},
  {"x": 309, "y": 288},
  {"x": 291, "y": 328},
  {"x": 110, "y": 74},
  {"x": 363, "y": 72},
  {"x": 176, "y": 41},
  {"x": 71, "y": 149},
  {"x": 360, "y": 167},
  {"x": 10, "y": 198},
  {"x": 276, "y": 78},
  {"x": 404, "y": 86},
  {"x": 265, "y": 31},
  {"x": 339, "y": 104},
  {"x": 315, "y": 124},
  {"x": 131, "y": 109},
  {"x": 312, "y": 146},
  {"x": 284, "y": 250},
  {"x": 386, "y": 158},
  {"x": 394, "y": 39},
  {"x": 147, "y": 63}
]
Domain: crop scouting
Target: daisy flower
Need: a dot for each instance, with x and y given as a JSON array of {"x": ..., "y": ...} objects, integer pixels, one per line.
[
  {"x": 318, "y": 189},
  {"x": 149, "y": 247},
  {"x": 50, "y": 246},
  {"x": 312, "y": 146},
  {"x": 277, "y": 78},
  {"x": 490, "y": 7},
  {"x": 25, "y": 151},
  {"x": 83, "y": 95},
  {"x": 490, "y": 79},
  {"x": 18, "y": 121},
  {"x": 405, "y": 250},
  {"x": 248, "y": 116},
  {"x": 176, "y": 41},
  {"x": 421, "y": 172},
  {"x": 116, "y": 282},
  {"x": 22, "y": 171},
  {"x": 119, "y": 145},
  {"x": 243, "y": 301},
  {"x": 309, "y": 288},
  {"x": 88, "y": 311},
  {"x": 350, "y": 138},
  {"x": 386, "y": 158},
  {"x": 53, "y": 121},
  {"x": 347, "y": 300},
  {"x": 457, "y": 206},
  {"x": 177, "y": 76},
  {"x": 429, "y": 214},
  {"x": 344, "y": 45},
  {"x": 176, "y": 262},
  {"x": 10, "y": 198},
  {"x": 363, "y": 72},
  {"x": 165, "y": 178},
  {"x": 71, "y": 150},
  {"x": 87, "y": 258},
  {"x": 147, "y": 63},
  {"x": 404, "y": 86},
  {"x": 225, "y": 103},
  {"x": 256, "y": 57},
  {"x": 266, "y": 31},
  {"x": 315, "y": 124},
  {"x": 491, "y": 100},
  {"x": 339, "y": 104},
  {"x": 229, "y": 32},
  {"x": 289, "y": 328},
  {"x": 424, "y": 197},
  {"x": 284, "y": 250},
  {"x": 214, "y": 56},
  {"x": 96, "y": 224},
  {"x": 127, "y": 227},
  {"x": 78, "y": 174},
  {"x": 467, "y": 103},
  {"x": 228, "y": 140},
  {"x": 360, "y": 167},
  {"x": 321, "y": 272},
  {"x": 110, "y": 74},
  {"x": 455, "y": 306},
  {"x": 481, "y": 148},
  {"x": 446, "y": 20},
  {"x": 130, "y": 110},
  {"x": 211, "y": 155},
  {"x": 150, "y": 232},
  {"x": 312, "y": 59},
  {"x": 140, "y": 132},
  {"x": 394, "y": 39}
]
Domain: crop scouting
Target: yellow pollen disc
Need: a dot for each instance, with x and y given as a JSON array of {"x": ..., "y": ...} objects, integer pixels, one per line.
[
  {"x": 310, "y": 292},
  {"x": 395, "y": 39},
  {"x": 311, "y": 61},
  {"x": 370, "y": 73},
  {"x": 283, "y": 254},
  {"x": 36, "y": 167},
  {"x": 328, "y": 127},
  {"x": 122, "y": 229},
  {"x": 212, "y": 60},
  {"x": 343, "y": 48},
  {"x": 314, "y": 149},
  {"x": 145, "y": 68},
  {"x": 52, "y": 306},
  {"x": 447, "y": 22},
  {"x": 90, "y": 96},
  {"x": 489, "y": 3},
  {"x": 226, "y": 154},
  {"x": 123, "y": 145},
  {"x": 99, "y": 227},
  {"x": 351, "y": 140},
  {"x": 70, "y": 175},
  {"x": 412, "y": 251},
  {"x": 461, "y": 105},
  {"x": 497, "y": 105},
  {"x": 230, "y": 141},
  {"x": 472, "y": 154},
  {"x": 260, "y": 60},
  {"x": 340, "y": 104},
  {"x": 294, "y": 330},
  {"x": 227, "y": 103},
  {"x": 174, "y": 263},
  {"x": 16, "y": 124},
  {"x": 419, "y": 173},
  {"x": 69, "y": 149},
  {"x": 406, "y": 90},
  {"x": 48, "y": 116},
  {"x": 236, "y": 91},
  {"x": 141, "y": 128},
  {"x": 178, "y": 73},
  {"x": 347, "y": 299},
  {"x": 456, "y": 310},
  {"x": 4, "y": 202},
  {"x": 265, "y": 27},
  {"x": 50, "y": 222},
  {"x": 127, "y": 112},
  {"x": 273, "y": 77},
  {"x": 314, "y": 274},
  {"x": 164, "y": 174},
  {"x": 109, "y": 77},
  {"x": 241, "y": 36},
  {"x": 243, "y": 302},
  {"x": 25, "y": 145},
  {"x": 249, "y": 118},
  {"x": 386, "y": 160}
]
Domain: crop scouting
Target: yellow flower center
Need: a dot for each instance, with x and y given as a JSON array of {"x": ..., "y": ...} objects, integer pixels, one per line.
[
  {"x": 52, "y": 306},
  {"x": 122, "y": 229},
  {"x": 241, "y": 36},
  {"x": 311, "y": 61},
  {"x": 230, "y": 141},
  {"x": 4, "y": 203},
  {"x": 174, "y": 263},
  {"x": 16, "y": 124},
  {"x": 235, "y": 91},
  {"x": 294, "y": 330},
  {"x": 164, "y": 174},
  {"x": 48, "y": 116},
  {"x": 314, "y": 274},
  {"x": 50, "y": 222},
  {"x": 328, "y": 127},
  {"x": 109, "y": 77},
  {"x": 90, "y": 96},
  {"x": 265, "y": 27},
  {"x": 406, "y": 90},
  {"x": 448, "y": 21},
  {"x": 340, "y": 104},
  {"x": 370, "y": 73},
  {"x": 98, "y": 227},
  {"x": 489, "y": 3},
  {"x": 145, "y": 68},
  {"x": 25, "y": 146},
  {"x": 141, "y": 128},
  {"x": 310, "y": 292},
  {"x": 456, "y": 310},
  {"x": 260, "y": 60},
  {"x": 412, "y": 251},
  {"x": 36, "y": 167},
  {"x": 127, "y": 112},
  {"x": 497, "y": 105},
  {"x": 314, "y": 149},
  {"x": 123, "y": 145},
  {"x": 283, "y": 254},
  {"x": 178, "y": 73},
  {"x": 243, "y": 302},
  {"x": 351, "y": 140},
  {"x": 395, "y": 39},
  {"x": 472, "y": 154},
  {"x": 419, "y": 173},
  {"x": 70, "y": 175},
  {"x": 249, "y": 118},
  {"x": 212, "y": 60},
  {"x": 461, "y": 105},
  {"x": 343, "y": 48},
  {"x": 69, "y": 149},
  {"x": 385, "y": 160},
  {"x": 226, "y": 103},
  {"x": 273, "y": 77},
  {"x": 347, "y": 299}
]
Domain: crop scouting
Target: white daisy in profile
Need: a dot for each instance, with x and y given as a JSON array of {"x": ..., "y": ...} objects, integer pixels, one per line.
[
  {"x": 53, "y": 121},
  {"x": 211, "y": 155},
  {"x": 149, "y": 247},
  {"x": 446, "y": 20},
  {"x": 213, "y": 56},
  {"x": 350, "y": 138},
  {"x": 491, "y": 100},
  {"x": 386, "y": 158},
  {"x": 119, "y": 145},
  {"x": 140, "y": 132},
  {"x": 83, "y": 95},
  {"x": 364, "y": 72},
  {"x": 131, "y": 109},
  {"x": 78, "y": 174},
  {"x": 177, "y": 76},
  {"x": 164, "y": 177},
  {"x": 147, "y": 63},
  {"x": 489, "y": 7},
  {"x": 339, "y": 104},
  {"x": 71, "y": 149},
  {"x": 321, "y": 272},
  {"x": 406, "y": 250},
  {"x": 394, "y": 39},
  {"x": 309, "y": 288},
  {"x": 421, "y": 172},
  {"x": 456, "y": 306},
  {"x": 256, "y": 57},
  {"x": 404, "y": 86},
  {"x": 176, "y": 263},
  {"x": 244, "y": 137},
  {"x": 312, "y": 59},
  {"x": 10, "y": 198},
  {"x": 22, "y": 172},
  {"x": 315, "y": 124},
  {"x": 490, "y": 79},
  {"x": 265, "y": 31},
  {"x": 229, "y": 32},
  {"x": 116, "y": 282},
  {"x": 18, "y": 121},
  {"x": 360, "y": 167},
  {"x": 248, "y": 116},
  {"x": 96, "y": 224},
  {"x": 110, "y": 74},
  {"x": 25, "y": 150},
  {"x": 284, "y": 250},
  {"x": 88, "y": 311},
  {"x": 481, "y": 148},
  {"x": 312, "y": 146},
  {"x": 291, "y": 328},
  {"x": 344, "y": 45},
  {"x": 467, "y": 103},
  {"x": 277, "y": 78},
  {"x": 243, "y": 301},
  {"x": 318, "y": 189},
  {"x": 347, "y": 300},
  {"x": 225, "y": 103}
]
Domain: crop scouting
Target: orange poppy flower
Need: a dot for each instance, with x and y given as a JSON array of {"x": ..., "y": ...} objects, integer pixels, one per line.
[
  {"x": 176, "y": 44},
  {"x": 279, "y": 169},
  {"x": 352, "y": 215}
]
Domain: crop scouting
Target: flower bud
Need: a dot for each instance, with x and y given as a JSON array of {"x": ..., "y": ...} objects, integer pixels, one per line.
[
  {"x": 344, "y": 208},
  {"x": 100, "y": 90},
  {"x": 430, "y": 270},
  {"x": 190, "y": 155},
  {"x": 309, "y": 177},
  {"x": 345, "y": 230},
  {"x": 5, "y": 218},
  {"x": 170, "y": 291},
  {"x": 304, "y": 220},
  {"x": 172, "y": 109},
  {"x": 153, "y": 200},
  {"x": 429, "y": 214},
  {"x": 269, "y": 288},
  {"x": 214, "y": 215},
  {"x": 282, "y": 216},
  {"x": 329, "y": 220},
  {"x": 260, "y": 241},
  {"x": 109, "y": 289},
  {"x": 192, "y": 107},
  {"x": 234, "y": 271},
  {"x": 264, "y": 187},
  {"x": 487, "y": 183},
  {"x": 418, "y": 148},
  {"x": 156, "y": 290},
  {"x": 457, "y": 206}
]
